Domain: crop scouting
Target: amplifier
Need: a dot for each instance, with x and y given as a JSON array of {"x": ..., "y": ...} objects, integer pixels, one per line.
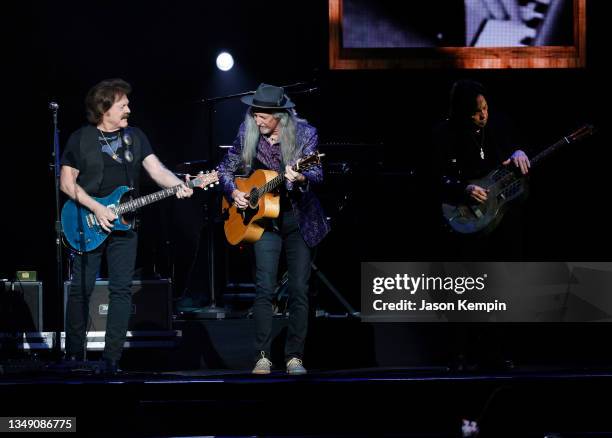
[
  {"x": 21, "y": 306},
  {"x": 151, "y": 305}
]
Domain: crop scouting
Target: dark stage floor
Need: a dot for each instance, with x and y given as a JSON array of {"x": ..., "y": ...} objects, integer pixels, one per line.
[
  {"x": 381, "y": 402},
  {"x": 378, "y": 379}
]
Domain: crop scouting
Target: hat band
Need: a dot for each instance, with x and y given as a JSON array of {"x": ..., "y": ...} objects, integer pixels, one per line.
[{"x": 258, "y": 102}]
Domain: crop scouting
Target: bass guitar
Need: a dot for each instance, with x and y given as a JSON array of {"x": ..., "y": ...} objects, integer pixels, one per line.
[{"x": 505, "y": 184}]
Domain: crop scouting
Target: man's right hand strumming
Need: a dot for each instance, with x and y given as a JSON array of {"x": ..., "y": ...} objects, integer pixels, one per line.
[
  {"x": 105, "y": 217},
  {"x": 240, "y": 199},
  {"x": 477, "y": 193}
]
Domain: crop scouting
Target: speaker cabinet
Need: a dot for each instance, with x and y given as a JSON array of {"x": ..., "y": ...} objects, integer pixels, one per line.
[
  {"x": 151, "y": 305},
  {"x": 21, "y": 307}
]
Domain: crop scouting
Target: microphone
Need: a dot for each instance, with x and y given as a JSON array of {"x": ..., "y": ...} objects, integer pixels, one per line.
[{"x": 53, "y": 106}]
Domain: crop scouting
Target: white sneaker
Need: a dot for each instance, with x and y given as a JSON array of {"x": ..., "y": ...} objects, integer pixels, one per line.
[
  {"x": 295, "y": 366},
  {"x": 263, "y": 365}
]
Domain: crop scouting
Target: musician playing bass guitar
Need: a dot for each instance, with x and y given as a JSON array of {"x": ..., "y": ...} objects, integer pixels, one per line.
[
  {"x": 469, "y": 145},
  {"x": 273, "y": 137},
  {"x": 99, "y": 158}
]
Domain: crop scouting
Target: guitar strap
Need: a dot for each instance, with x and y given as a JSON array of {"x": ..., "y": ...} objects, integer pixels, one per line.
[{"x": 127, "y": 139}]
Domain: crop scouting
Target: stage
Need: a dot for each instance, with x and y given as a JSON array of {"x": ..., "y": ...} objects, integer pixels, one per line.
[
  {"x": 376, "y": 79},
  {"x": 382, "y": 402},
  {"x": 365, "y": 379}
]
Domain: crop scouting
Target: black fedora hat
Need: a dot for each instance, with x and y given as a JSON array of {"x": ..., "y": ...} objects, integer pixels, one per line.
[{"x": 268, "y": 97}]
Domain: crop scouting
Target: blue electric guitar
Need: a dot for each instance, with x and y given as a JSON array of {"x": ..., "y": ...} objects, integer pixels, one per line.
[{"x": 84, "y": 233}]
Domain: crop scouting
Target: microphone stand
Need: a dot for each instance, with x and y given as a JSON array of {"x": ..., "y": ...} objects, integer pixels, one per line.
[
  {"x": 55, "y": 154},
  {"x": 212, "y": 311}
]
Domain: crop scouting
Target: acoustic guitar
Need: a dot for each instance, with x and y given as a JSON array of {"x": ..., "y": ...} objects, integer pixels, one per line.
[{"x": 245, "y": 225}]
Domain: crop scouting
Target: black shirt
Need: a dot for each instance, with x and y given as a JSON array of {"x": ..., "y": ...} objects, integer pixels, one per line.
[
  {"x": 115, "y": 173},
  {"x": 466, "y": 153}
]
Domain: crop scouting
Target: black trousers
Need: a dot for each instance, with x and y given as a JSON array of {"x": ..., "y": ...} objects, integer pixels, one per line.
[
  {"x": 299, "y": 258},
  {"x": 121, "y": 248}
]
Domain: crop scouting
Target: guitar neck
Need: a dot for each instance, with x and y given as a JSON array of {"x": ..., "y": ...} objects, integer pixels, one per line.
[
  {"x": 274, "y": 182},
  {"x": 135, "y": 204},
  {"x": 271, "y": 185},
  {"x": 549, "y": 150},
  {"x": 301, "y": 165}
]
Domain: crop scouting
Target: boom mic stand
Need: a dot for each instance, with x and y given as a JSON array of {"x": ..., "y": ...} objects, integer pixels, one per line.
[
  {"x": 212, "y": 311},
  {"x": 57, "y": 349}
]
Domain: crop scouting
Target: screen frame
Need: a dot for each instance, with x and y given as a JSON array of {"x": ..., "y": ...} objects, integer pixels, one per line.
[{"x": 456, "y": 57}]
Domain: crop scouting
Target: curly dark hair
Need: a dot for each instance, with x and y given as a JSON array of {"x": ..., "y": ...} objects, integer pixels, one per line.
[{"x": 102, "y": 96}]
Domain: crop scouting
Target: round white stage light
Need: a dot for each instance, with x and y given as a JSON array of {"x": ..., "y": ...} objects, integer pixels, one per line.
[{"x": 225, "y": 61}]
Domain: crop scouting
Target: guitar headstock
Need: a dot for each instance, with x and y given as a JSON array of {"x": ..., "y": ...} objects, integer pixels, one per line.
[
  {"x": 308, "y": 161},
  {"x": 207, "y": 179},
  {"x": 580, "y": 133}
]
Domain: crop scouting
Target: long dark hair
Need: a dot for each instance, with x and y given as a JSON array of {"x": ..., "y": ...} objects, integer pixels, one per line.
[
  {"x": 102, "y": 96},
  {"x": 463, "y": 101}
]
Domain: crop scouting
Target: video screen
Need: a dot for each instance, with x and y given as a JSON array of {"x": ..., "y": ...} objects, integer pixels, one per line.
[
  {"x": 457, "y": 23},
  {"x": 471, "y": 34}
]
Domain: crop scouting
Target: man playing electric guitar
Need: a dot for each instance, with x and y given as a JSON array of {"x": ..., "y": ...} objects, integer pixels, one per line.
[
  {"x": 470, "y": 145},
  {"x": 99, "y": 158},
  {"x": 273, "y": 137}
]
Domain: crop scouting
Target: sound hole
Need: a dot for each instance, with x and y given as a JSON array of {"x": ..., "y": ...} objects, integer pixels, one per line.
[{"x": 253, "y": 198}]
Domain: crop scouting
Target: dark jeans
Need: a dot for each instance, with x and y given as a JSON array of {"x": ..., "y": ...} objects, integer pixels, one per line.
[
  {"x": 267, "y": 256},
  {"x": 121, "y": 257}
]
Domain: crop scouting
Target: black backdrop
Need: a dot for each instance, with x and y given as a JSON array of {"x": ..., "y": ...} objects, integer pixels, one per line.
[{"x": 57, "y": 50}]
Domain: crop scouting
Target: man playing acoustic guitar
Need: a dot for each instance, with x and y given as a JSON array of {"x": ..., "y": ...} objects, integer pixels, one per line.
[
  {"x": 273, "y": 137},
  {"x": 98, "y": 159}
]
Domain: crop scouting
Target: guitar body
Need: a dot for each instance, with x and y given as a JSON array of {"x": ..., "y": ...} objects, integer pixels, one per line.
[
  {"x": 505, "y": 185},
  {"x": 80, "y": 226},
  {"x": 245, "y": 225}
]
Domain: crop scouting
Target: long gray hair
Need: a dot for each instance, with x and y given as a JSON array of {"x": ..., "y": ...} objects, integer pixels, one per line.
[{"x": 289, "y": 149}]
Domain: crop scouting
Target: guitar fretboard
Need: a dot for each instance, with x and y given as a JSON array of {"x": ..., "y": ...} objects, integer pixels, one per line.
[
  {"x": 549, "y": 150},
  {"x": 137, "y": 203},
  {"x": 270, "y": 185},
  {"x": 302, "y": 164}
]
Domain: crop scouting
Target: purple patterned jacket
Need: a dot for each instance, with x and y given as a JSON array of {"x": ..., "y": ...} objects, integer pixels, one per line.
[{"x": 306, "y": 207}]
